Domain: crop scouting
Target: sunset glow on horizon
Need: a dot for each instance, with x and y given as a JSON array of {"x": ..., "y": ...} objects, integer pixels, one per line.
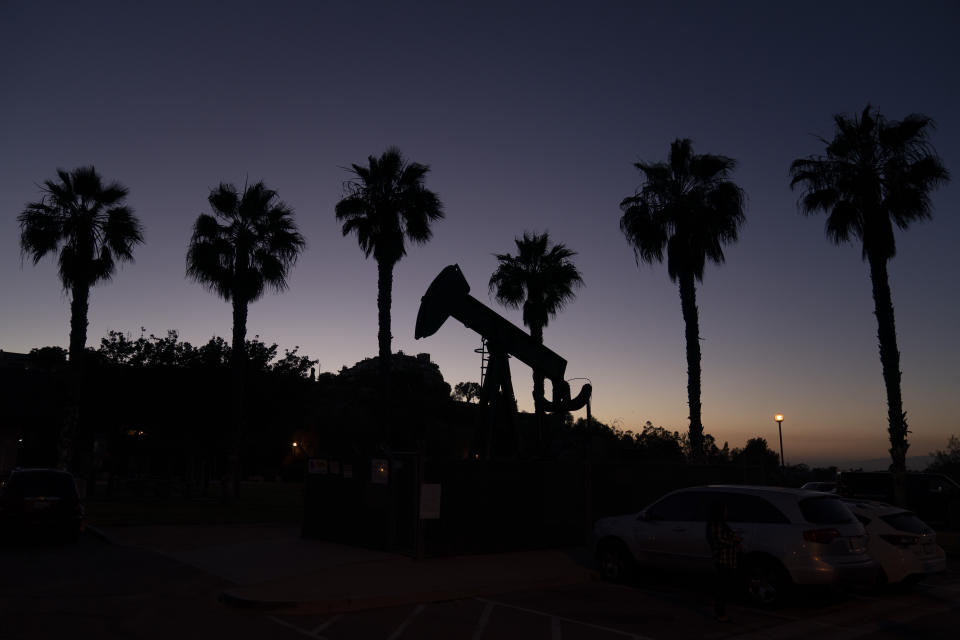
[{"x": 531, "y": 120}]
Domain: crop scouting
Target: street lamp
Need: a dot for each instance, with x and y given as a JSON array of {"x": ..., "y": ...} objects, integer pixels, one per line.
[{"x": 779, "y": 419}]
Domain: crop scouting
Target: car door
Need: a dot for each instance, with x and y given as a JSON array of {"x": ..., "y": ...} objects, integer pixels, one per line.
[
  {"x": 671, "y": 533},
  {"x": 759, "y": 524}
]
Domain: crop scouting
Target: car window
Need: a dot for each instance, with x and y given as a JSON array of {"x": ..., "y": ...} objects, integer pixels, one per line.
[
  {"x": 825, "y": 510},
  {"x": 754, "y": 509},
  {"x": 687, "y": 506},
  {"x": 905, "y": 521},
  {"x": 35, "y": 483}
]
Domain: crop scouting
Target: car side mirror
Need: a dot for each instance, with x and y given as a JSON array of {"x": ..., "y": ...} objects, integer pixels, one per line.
[{"x": 645, "y": 516}]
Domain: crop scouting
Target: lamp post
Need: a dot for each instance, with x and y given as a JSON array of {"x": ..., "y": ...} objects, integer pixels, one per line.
[{"x": 779, "y": 419}]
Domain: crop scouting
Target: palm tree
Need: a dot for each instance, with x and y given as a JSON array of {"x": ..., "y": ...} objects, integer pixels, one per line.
[
  {"x": 249, "y": 243},
  {"x": 385, "y": 204},
  {"x": 689, "y": 207},
  {"x": 541, "y": 279},
  {"x": 93, "y": 229},
  {"x": 877, "y": 174}
]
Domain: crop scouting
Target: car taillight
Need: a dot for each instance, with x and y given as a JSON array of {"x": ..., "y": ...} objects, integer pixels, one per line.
[
  {"x": 900, "y": 540},
  {"x": 822, "y": 536}
]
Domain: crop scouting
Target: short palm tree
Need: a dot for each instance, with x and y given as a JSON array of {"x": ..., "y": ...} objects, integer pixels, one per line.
[
  {"x": 877, "y": 174},
  {"x": 541, "y": 279},
  {"x": 93, "y": 229},
  {"x": 385, "y": 204},
  {"x": 688, "y": 207},
  {"x": 248, "y": 243}
]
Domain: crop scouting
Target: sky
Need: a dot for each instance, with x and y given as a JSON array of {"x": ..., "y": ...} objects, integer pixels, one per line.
[{"x": 530, "y": 116}]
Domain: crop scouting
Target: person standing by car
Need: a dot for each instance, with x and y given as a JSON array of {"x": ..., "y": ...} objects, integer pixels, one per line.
[{"x": 725, "y": 545}]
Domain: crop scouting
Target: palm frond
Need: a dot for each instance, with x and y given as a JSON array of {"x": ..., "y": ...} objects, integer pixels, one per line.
[
  {"x": 253, "y": 248},
  {"x": 541, "y": 279},
  {"x": 877, "y": 174},
  {"x": 685, "y": 210},
  {"x": 87, "y": 220}
]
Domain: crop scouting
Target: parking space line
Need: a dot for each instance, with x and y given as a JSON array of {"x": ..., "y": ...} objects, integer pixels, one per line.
[
  {"x": 939, "y": 586},
  {"x": 403, "y": 625},
  {"x": 633, "y": 636},
  {"x": 482, "y": 622},
  {"x": 555, "y": 628},
  {"x": 290, "y": 625},
  {"x": 326, "y": 624}
]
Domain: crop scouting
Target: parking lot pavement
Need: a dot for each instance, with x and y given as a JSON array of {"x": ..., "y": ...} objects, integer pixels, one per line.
[
  {"x": 653, "y": 610},
  {"x": 92, "y": 589}
]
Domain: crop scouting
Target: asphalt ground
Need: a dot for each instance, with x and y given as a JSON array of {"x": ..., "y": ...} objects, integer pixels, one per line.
[
  {"x": 94, "y": 589},
  {"x": 655, "y": 608}
]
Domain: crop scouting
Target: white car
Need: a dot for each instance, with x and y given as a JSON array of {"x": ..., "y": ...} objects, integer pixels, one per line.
[
  {"x": 790, "y": 536},
  {"x": 902, "y": 544}
]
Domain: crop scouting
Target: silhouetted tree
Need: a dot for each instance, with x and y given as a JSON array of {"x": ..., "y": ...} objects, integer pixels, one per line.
[
  {"x": 48, "y": 357},
  {"x": 657, "y": 443},
  {"x": 385, "y": 204},
  {"x": 93, "y": 229},
  {"x": 541, "y": 279},
  {"x": 757, "y": 453},
  {"x": 877, "y": 174},
  {"x": 688, "y": 207},
  {"x": 249, "y": 243},
  {"x": 947, "y": 461},
  {"x": 466, "y": 391}
]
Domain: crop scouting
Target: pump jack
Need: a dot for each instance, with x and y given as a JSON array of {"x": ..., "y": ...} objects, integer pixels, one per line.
[{"x": 449, "y": 295}]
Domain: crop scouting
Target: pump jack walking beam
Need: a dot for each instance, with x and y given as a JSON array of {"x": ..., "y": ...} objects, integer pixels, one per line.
[{"x": 449, "y": 295}]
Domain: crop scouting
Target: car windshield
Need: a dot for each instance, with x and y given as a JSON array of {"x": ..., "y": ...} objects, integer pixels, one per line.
[
  {"x": 905, "y": 521},
  {"x": 826, "y": 510},
  {"x": 29, "y": 484}
]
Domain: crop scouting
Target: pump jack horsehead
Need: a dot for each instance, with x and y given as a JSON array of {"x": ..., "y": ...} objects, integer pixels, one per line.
[{"x": 449, "y": 295}]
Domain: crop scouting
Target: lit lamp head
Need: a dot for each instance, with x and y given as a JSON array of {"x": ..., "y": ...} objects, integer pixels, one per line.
[{"x": 778, "y": 418}]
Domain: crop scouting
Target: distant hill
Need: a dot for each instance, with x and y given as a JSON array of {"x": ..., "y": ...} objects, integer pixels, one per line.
[{"x": 914, "y": 463}]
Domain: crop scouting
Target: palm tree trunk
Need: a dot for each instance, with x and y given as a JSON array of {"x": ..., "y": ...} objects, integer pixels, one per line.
[
  {"x": 890, "y": 361},
  {"x": 67, "y": 442},
  {"x": 688, "y": 303},
  {"x": 384, "y": 300},
  {"x": 238, "y": 361},
  {"x": 79, "y": 308}
]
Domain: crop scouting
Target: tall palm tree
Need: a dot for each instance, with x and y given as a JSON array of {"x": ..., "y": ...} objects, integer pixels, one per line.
[
  {"x": 385, "y": 204},
  {"x": 689, "y": 207},
  {"x": 93, "y": 229},
  {"x": 249, "y": 243},
  {"x": 541, "y": 279},
  {"x": 877, "y": 174}
]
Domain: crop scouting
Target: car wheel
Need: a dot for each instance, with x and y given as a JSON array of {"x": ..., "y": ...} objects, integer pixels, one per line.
[
  {"x": 765, "y": 582},
  {"x": 614, "y": 561}
]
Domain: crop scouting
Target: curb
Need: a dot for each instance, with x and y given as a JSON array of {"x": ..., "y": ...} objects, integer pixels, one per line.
[{"x": 326, "y": 606}]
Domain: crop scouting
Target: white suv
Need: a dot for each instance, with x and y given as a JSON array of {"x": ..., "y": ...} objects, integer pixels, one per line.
[
  {"x": 789, "y": 536},
  {"x": 902, "y": 544}
]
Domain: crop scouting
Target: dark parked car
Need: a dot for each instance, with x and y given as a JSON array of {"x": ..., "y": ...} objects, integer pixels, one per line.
[
  {"x": 933, "y": 497},
  {"x": 40, "y": 503}
]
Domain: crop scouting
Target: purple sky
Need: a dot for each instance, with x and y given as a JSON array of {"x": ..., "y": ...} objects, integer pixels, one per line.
[{"x": 531, "y": 119}]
